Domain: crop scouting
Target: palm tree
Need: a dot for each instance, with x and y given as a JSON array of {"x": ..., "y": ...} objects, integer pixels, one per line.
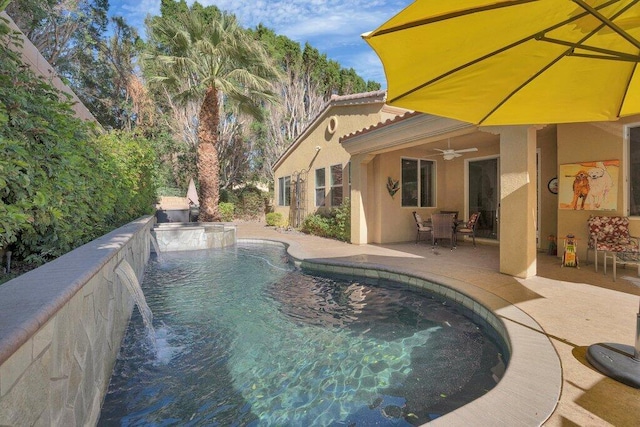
[{"x": 204, "y": 55}]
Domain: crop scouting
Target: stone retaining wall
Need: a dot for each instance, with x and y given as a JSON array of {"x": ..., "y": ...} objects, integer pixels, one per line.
[{"x": 61, "y": 328}]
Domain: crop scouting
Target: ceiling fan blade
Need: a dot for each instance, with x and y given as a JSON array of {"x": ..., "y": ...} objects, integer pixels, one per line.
[
  {"x": 441, "y": 150},
  {"x": 466, "y": 150}
]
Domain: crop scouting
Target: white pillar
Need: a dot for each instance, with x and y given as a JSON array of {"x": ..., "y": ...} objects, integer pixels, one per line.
[{"x": 518, "y": 200}]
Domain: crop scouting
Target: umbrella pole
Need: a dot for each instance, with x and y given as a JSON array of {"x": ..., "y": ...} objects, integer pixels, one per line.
[
  {"x": 618, "y": 361},
  {"x": 636, "y": 352}
]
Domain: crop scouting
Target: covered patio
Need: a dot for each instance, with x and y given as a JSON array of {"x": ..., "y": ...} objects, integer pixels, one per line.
[
  {"x": 574, "y": 308},
  {"x": 515, "y": 209}
]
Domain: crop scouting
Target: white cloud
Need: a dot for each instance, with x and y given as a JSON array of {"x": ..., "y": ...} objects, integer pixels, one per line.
[
  {"x": 306, "y": 20},
  {"x": 331, "y": 26}
]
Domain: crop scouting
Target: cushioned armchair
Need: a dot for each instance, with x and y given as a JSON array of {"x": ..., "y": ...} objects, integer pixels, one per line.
[
  {"x": 469, "y": 228},
  {"x": 422, "y": 226},
  {"x": 610, "y": 234}
]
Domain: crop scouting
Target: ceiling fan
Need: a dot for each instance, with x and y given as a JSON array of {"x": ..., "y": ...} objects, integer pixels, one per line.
[{"x": 450, "y": 153}]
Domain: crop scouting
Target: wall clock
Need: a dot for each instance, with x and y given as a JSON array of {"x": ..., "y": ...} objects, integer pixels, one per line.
[{"x": 553, "y": 185}]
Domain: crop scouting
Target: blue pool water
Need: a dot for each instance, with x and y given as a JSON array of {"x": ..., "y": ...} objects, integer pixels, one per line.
[{"x": 242, "y": 338}]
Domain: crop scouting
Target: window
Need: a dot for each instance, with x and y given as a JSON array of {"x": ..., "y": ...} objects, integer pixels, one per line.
[
  {"x": 634, "y": 171},
  {"x": 284, "y": 191},
  {"x": 418, "y": 183},
  {"x": 320, "y": 185},
  {"x": 336, "y": 185}
]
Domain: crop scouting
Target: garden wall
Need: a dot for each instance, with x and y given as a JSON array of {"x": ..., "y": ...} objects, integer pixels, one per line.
[{"x": 61, "y": 327}]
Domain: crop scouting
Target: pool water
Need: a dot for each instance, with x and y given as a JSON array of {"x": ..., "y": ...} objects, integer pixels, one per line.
[{"x": 242, "y": 338}]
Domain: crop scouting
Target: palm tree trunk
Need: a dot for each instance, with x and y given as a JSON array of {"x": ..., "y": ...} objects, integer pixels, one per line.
[{"x": 208, "y": 164}]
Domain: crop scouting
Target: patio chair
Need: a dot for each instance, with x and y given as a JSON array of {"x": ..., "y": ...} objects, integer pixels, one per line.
[
  {"x": 443, "y": 228},
  {"x": 610, "y": 234},
  {"x": 454, "y": 213},
  {"x": 469, "y": 228},
  {"x": 421, "y": 225}
]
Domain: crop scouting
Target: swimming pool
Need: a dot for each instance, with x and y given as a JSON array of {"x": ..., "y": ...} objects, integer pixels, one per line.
[{"x": 245, "y": 339}]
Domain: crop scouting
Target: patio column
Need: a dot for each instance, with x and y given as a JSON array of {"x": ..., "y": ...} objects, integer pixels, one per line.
[
  {"x": 518, "y": 200},
  {"x": 359, "y": 184}
]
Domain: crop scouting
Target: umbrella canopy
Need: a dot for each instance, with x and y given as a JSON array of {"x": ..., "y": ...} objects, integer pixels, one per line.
[{"x": 506, "y": 62}]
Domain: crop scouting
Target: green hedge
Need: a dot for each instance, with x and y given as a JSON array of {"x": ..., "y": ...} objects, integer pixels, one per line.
[
  {"x": 62, "y": 184},
  {"x": 249, "y": 202},
  {"x": 226, "y": 210},
  {"x": 275, "y": 219}
]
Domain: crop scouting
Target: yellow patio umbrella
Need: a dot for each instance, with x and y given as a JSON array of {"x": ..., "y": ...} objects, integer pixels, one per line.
[
  {"x": 510, "y": 62},
  {"x": 513, "y": 61}
]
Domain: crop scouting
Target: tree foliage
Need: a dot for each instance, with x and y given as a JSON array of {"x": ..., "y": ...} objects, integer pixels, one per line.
[
  {"x": 71, "y": 35},
  {"x": 309, "y": 80},
  {"x": 61, "y": 183},
  {"x": 203, "y": 55},
  {"x": 100, "y": 59}
]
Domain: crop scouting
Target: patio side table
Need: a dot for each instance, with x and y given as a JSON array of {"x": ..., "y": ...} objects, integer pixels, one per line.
[{"x": 622, "y": 258}]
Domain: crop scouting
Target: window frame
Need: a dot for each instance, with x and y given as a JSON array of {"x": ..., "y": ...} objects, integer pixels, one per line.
[
  {"x": 322, "y": 188},
  {"x": 418, "y": 179},
  {"x": 284, "y": 191},
  {"x": 334, "y": 186}
]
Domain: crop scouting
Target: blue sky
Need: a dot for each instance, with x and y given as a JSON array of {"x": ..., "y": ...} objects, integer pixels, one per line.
[{"x": 331, "y": 26}]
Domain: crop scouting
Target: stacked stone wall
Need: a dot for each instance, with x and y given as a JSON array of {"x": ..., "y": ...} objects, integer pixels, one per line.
[{"x": 61, "y": 328}]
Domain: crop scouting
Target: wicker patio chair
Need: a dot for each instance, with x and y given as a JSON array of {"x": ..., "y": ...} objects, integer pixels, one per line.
[{"x": 443, "y": 228}]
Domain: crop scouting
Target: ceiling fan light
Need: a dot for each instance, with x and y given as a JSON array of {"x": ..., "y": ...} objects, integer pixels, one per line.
[{"x": 449, "y": 156}]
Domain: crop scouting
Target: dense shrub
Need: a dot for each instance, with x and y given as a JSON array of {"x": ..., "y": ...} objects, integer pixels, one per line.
[
  {"x": 251, "y": 203},
  {"x": 229, "y": 196},
  {"x": 275, "y": 219},
  {"x": 343, "y": 221},
  {"x": 226, "y": 211},
  {"x": 318, "y": 225},
  {"x": 336, "y": 224},
  {"x": 62, "y": 184}
]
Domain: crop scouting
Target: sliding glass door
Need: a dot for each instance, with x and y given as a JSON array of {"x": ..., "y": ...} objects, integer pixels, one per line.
[{"x": 483, "y": 181}]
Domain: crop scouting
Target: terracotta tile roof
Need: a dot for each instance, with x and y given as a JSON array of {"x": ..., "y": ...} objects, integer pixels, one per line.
[
  {"x": 357, "y": 96},
  {"x": 377, "y": 126}
]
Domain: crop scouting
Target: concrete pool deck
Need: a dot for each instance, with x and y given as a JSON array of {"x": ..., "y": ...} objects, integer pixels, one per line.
[{"x": 572, "y": 309}]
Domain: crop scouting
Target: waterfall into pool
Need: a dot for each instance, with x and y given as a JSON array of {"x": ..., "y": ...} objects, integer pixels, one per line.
[
  {"x": 125, "y": 272},
  {"x": 245, "y": 339}
]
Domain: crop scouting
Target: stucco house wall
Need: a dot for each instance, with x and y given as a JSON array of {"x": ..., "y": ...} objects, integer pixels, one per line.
[
  {"x": 318, "y": 145},
  {"x": 583, "y": 142}
]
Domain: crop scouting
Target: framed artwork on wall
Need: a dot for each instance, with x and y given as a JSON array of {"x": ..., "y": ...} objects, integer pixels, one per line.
[{"x": 589, "y": 185}]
